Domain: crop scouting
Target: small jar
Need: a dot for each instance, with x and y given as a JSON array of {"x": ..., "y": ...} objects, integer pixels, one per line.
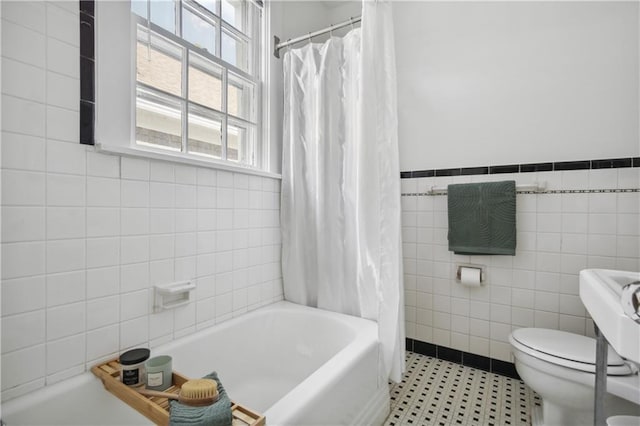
[{"x": 132, "y": 372}]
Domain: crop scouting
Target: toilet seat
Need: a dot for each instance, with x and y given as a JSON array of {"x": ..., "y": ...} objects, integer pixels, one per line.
[{"x": 567, "y": 349}]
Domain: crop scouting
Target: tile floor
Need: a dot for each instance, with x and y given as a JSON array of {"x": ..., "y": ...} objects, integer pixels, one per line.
[{"x": 438, "y": 392}]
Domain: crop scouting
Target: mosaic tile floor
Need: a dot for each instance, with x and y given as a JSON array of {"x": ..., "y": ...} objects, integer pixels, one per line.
[{"x": 438, "y": 392}]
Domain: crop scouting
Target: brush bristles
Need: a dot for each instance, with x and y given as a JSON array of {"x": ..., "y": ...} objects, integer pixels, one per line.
[{"x": 199, "y": 388}]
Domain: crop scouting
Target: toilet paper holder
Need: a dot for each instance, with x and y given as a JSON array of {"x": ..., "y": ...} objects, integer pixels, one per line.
[{"x": 483, "y": 274}]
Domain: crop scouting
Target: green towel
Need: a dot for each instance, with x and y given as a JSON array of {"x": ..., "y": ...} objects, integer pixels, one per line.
[
  {"x": 482, "y": 218},
  {"x": 216, "y": 414}
]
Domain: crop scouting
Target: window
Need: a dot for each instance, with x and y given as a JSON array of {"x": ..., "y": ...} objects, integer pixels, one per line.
[
  {"x": 185, "y": 78},
  {"x": 197, "y": 74}
]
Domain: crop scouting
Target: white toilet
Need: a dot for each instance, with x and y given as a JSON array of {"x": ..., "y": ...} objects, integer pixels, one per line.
[{"x": 560, "y": 367}]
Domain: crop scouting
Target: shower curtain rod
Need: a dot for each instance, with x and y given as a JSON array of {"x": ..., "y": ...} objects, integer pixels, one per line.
[{"x": 277, "y": 45}]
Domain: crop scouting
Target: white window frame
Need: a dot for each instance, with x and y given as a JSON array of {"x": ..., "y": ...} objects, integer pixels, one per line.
[{"x": 115, "y": 29}]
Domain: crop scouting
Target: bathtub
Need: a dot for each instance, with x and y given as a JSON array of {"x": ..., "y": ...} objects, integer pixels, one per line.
[{"x": 295, "y": 364}]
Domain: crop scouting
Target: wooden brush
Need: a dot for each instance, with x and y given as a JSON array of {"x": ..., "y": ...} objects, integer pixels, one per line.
[{"x": 195, "y": 393}]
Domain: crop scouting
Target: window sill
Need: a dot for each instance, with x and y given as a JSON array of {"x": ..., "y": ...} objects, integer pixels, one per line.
[{"x": 182, "y": 159}]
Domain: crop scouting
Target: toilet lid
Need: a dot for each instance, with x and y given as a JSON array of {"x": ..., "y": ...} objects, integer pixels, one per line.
[{"x": 567, "y": 346}]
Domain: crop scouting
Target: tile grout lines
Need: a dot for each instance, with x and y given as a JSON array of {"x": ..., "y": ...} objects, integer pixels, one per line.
[{"x": 438, "y": 392}]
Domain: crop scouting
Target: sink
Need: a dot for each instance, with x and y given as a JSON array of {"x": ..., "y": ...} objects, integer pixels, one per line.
[{"x": 601, "y": 291}]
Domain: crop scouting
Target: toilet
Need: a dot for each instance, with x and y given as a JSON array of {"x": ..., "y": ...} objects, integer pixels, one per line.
[{"x": 560, "y": 367}]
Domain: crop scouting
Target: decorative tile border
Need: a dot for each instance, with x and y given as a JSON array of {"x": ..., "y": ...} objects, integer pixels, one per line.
[
  {"x": 549, "y": 191},
  {"x": 465, "y": 358},
  {"x": 611, "y": 163},
  {"x": 87, "y": 72}
]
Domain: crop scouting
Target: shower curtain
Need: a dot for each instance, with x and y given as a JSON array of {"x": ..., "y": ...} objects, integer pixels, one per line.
[{"x": 341, "y": 180}]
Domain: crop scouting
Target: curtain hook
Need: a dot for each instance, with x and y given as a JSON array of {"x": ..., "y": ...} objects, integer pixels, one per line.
[
  {"x": 309, "y": 37},
  {"x": 331, "y": 30},
  {"x": 351, "y": 22}
]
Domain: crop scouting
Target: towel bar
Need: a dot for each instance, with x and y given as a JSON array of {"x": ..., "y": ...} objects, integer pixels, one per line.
[{"x": 532, "y": 187}]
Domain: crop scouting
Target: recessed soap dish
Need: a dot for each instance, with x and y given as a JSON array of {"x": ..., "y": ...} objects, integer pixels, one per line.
[{"x": 172, "y": 295}]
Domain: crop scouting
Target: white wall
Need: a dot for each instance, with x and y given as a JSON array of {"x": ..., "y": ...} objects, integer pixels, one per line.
[
  {"x": 302, "y": 17},
  {"x": 506, "y": 82},
  {"x": 275, "y": 93},
  {"x": 288, "y": 19},
  {"x": 340, "y": 11},
  {"x": 485, "y": 83},
  {"x": 85, "y": 236}
]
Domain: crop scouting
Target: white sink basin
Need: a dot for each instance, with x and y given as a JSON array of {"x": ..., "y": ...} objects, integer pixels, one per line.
[{"x": 600, "y": 291}]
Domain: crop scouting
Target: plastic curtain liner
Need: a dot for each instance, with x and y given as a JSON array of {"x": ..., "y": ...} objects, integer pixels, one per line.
[{"x": 340, "y": 212}]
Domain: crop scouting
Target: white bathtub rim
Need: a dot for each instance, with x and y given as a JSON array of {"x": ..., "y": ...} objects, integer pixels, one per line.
[
  {"x": 310, "y": 388},
  {"x": 35, "y": 398},
  {"x": 366, "y": 331},
  {"x": 313, "y": 385},
  {"x": 44, "y": 393},
  {"x": 355, "y": 323},
  {"x": 92, "y": 388}
]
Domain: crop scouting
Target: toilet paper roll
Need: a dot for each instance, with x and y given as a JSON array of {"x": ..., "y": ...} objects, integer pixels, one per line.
[{"x": 470, "y": 276}]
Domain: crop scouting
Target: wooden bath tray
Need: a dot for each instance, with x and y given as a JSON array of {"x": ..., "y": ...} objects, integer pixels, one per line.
[{"x": 157, "y": 409}]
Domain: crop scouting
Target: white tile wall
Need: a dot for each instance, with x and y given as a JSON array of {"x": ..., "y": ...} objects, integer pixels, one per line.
[
  {"x": 558, "y": 235},
  {"x": 85, "y": 236}
]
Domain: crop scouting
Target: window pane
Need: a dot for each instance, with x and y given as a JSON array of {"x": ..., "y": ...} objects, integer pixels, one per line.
[
  {"x": 159, "y": 64},
  {"x": 158, "y": 121},
  {"x": 205, "y": 132},
  {"x": 139, "y": 7},
  {"x": 233, "y": 11},
  {"x": 234, "y": 50},
  {"x": 241, "y": 98},
  {"x": 205, "y": 82},
  {"x": 240, "y": 143},
  {"x": 163, "y": 13},
  {"x": 209, "y": 4},
  {"x": 218, "y": 102},
  {"x": 198, "y": 31}
]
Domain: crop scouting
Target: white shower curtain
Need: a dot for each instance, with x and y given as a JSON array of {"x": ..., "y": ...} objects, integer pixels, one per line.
[{"x": 341, "y": 180}]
